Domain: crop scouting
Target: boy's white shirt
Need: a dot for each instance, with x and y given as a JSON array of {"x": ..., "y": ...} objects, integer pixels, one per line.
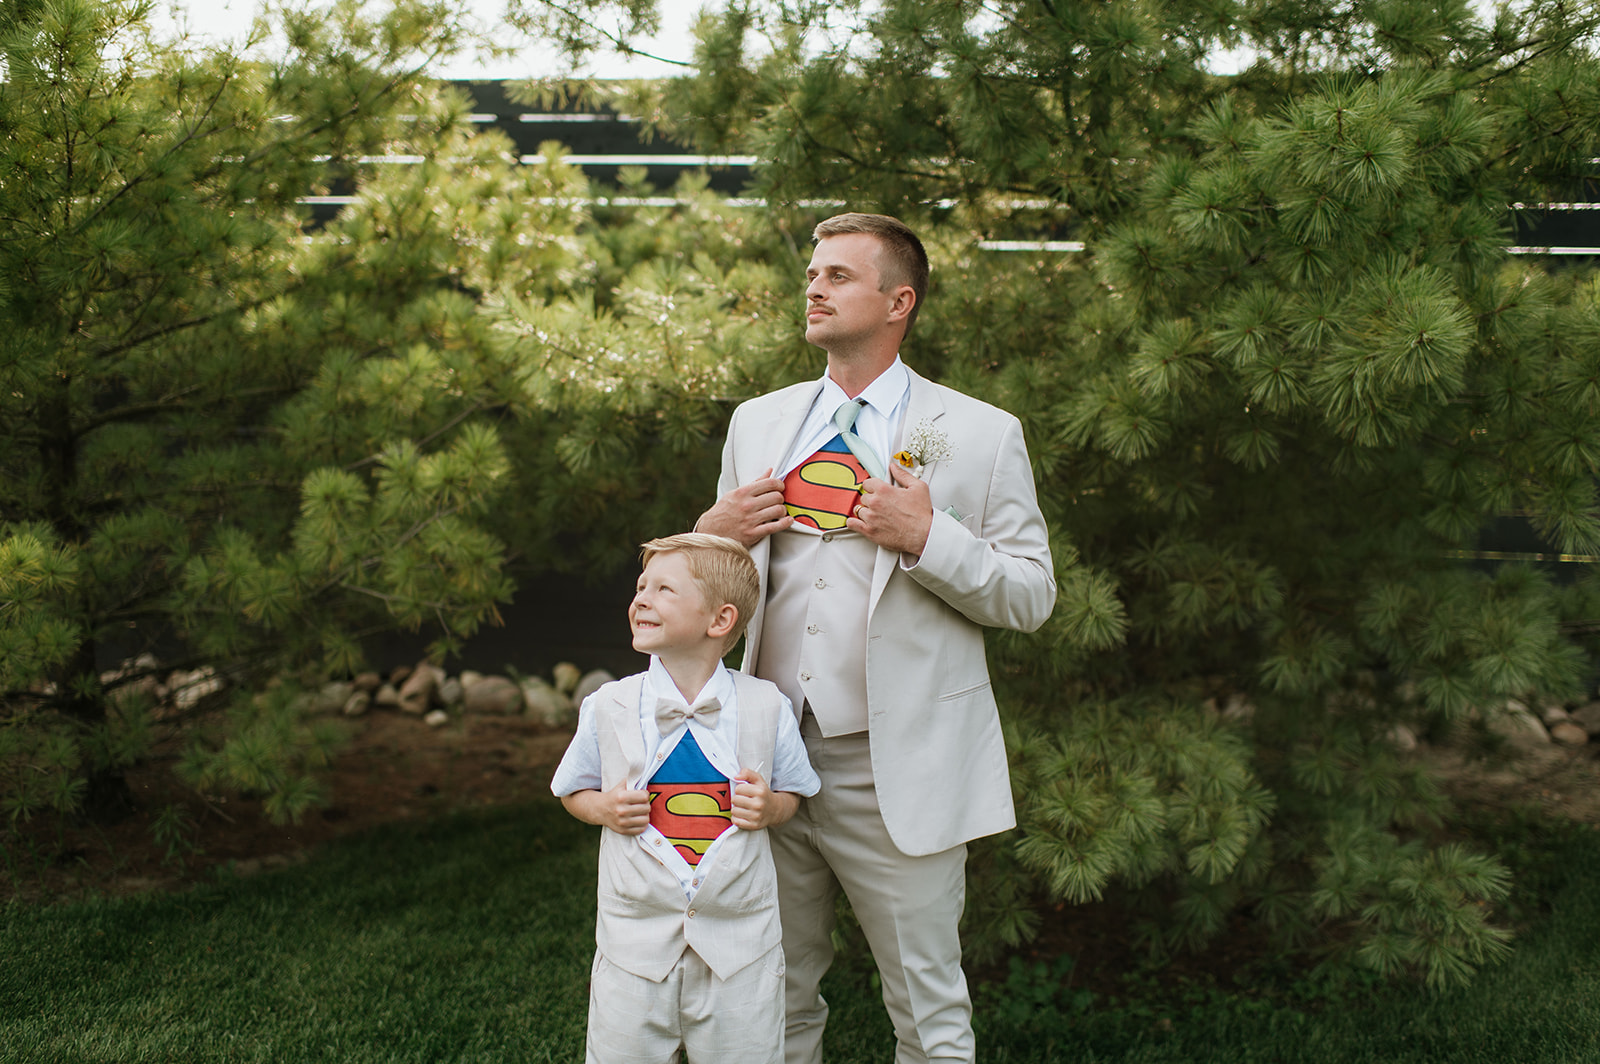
[{"x": 580, "y": 766}]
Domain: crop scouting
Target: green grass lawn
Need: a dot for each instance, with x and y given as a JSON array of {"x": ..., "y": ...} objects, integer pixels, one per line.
[{"x": 469, "y": 939}]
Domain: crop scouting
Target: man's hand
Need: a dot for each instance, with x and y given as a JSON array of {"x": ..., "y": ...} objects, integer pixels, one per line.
[
  {"x": 627, "y": 812},
  {"x": 896, "y": 516},
  {"x": 757, "y": 806},
  {"x": 748, "y": 513}
]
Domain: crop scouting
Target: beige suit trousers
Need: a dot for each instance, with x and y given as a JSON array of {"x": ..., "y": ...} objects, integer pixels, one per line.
[
  {"x": 738, "y": 1020},
  {"x": 909, "y": 908}
]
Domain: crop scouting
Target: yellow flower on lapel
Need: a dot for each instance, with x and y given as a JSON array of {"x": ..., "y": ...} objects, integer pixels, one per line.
[{"x": 905, "y": 459}]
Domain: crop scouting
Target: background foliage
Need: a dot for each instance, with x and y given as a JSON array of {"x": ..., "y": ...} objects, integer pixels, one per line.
[{"x": 1289, "y": 379}]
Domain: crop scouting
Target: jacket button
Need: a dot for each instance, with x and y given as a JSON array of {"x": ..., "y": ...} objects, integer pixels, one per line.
[{"x": 827, "y": 537}]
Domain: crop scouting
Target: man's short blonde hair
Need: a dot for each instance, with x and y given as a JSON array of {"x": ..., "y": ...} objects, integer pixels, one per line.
[
  {"x": 903, "y": 260},
  {"x": 722, "y": 569}
]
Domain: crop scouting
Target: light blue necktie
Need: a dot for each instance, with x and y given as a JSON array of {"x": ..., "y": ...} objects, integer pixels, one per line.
[{"x": 844, "y": 419}]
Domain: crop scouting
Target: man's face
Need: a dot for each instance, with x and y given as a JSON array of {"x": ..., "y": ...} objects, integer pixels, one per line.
[{"x": 844, "y": 303}]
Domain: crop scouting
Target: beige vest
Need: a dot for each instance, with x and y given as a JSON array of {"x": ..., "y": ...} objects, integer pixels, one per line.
[
  {"x": 815, "y": 642},
  {"x": 642, "y": 921}
]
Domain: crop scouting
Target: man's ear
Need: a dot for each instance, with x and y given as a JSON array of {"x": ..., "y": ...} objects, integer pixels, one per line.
[
  {"x": 905, "y": 300},
  {"x": 722, "y": 621}
]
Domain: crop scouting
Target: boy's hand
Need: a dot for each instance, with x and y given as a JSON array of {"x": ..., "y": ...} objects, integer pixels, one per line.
[
  {"x": 624, "y": 811},
  {"x": 757, "y": 806}
]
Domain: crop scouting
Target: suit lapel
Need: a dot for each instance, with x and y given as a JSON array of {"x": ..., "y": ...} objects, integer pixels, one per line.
[
  {"x": 774, "y": 446},
  {"x": 619, "y": 728},
  {"x": 922, "y": 404}
]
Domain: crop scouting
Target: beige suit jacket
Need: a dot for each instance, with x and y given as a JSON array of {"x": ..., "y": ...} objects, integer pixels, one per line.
[{"x": 938, "y": 756}]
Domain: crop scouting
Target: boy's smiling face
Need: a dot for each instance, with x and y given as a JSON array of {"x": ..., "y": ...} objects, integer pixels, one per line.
[{"x": 669, "y": 612}]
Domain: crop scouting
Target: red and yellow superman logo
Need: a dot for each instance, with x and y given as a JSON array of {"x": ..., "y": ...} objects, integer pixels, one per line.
[
  {"x": 822, "y": 490},
  {"x": 691, "y": 815}
]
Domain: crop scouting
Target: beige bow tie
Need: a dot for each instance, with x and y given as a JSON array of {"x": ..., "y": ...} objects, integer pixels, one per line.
[{"x": 670, "y": 713}]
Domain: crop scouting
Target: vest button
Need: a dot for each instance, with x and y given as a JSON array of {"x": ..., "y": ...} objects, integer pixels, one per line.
[
  {"x": 656, "y": 841},
  {"x": 805, "y": 677},
  {"x": 811, "y": 628},
  {"x": 691, "y": 914},
  {"x": 821, "y": 582},
  {"x": 827, "y": 537}
]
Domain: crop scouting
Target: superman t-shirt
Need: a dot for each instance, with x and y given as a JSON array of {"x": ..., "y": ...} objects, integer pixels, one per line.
[
  {"x": 822, "y": 490},
  {"x": 691, "y": 803}
]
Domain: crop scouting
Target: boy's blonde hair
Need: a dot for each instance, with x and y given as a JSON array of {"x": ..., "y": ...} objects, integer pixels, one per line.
[{"x": 722, "y": 569}]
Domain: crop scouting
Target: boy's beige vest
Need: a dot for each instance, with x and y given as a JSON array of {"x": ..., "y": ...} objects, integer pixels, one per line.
[{"x": 642, "y": 922}]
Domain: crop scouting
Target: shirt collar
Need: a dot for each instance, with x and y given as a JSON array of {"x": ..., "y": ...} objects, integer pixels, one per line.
[
  {"x": 658, "y": 684},
  {"x": 884, "y": 394}
]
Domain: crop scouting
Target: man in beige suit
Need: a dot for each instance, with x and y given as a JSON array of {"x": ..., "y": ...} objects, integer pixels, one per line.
[{"x": 891, "y": 520}]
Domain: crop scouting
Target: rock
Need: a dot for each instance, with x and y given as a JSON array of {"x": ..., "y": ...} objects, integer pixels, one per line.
[
  {"x": 416, "y": 694},
  {"x": 1519, "y": 727},
  {"x": 437, "y": 719},
  {"x": 144, "y": 663},
  {"x": 399, "y": 674},
  {"x": 566, "y": 676},
  {"x": 1552, "y": 713},
  {"x": 546, "y": 704},
  {"x": 450, "y": 693},
  {"x": 368, "y": 682},
  {"x": 357, "y": 704},
  {"x": 188, "y": 688},
  {"x": 133, "y": 683},
  {"x": 493, "y": 695},
  {"x": 469, "y": 679},
  {"x": 591, "y": 682},
  {"x": 387, "y": 696},
  {"x": 1402, "y": 738},
  {"x": 332, "y": 698},
  {"x": 1568, "y": 733},
  {"x": 1588, "y": 717},
  {"x": 1238, "y": 708}
]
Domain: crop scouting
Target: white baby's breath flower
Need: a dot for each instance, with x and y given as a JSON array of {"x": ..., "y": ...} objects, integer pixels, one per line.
[{"x": 927, "y": 444}]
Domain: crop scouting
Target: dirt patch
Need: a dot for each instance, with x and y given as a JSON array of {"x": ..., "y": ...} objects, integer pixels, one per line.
[
  {"x": 1560, "y": 781},
  {"x": 395, "y": 768}
]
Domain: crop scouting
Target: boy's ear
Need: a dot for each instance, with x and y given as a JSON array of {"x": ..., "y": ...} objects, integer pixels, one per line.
[{"x": 722, "y": 621}]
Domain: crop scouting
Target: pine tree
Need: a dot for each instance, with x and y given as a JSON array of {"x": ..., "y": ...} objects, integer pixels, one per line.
[
  {"x": 226, "y": 434},
  {"x": 1291, "y": 377}
]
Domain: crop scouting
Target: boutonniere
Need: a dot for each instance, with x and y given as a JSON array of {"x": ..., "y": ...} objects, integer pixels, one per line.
[{"x": 924, "y": 446}]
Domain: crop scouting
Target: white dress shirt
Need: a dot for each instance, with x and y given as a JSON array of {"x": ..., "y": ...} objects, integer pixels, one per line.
[
  {"x": 878, "y": 423},
  {"x": 791, "y": 771}
]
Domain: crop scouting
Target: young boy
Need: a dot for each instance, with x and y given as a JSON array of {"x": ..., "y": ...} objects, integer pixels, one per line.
[{"x": 674, "y": 762}]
